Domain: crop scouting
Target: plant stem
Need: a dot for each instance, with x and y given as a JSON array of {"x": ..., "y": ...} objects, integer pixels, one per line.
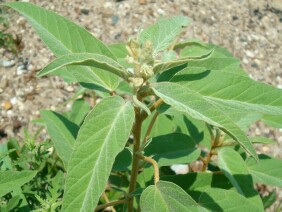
[
  {"x": 107, "y": 201},
  {"x": 99, "y": 207},
  {"x": 152, "y": 108},
  {"x": 149, "y": 129},
  {"x": 156, "y": 167},
  {"x": 136, "y": 157}
]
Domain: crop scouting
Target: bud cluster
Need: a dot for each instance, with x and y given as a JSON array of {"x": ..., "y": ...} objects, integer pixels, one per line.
[{"x": 142, "y": 58}]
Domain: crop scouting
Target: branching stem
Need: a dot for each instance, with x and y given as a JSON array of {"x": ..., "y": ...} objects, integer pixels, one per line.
[{"x": 99, "y": 207}]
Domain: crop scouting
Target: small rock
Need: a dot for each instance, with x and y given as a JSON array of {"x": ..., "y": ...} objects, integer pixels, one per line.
[
  {"x": 142, "y": 1},
  {"x": 84, "y": 11},
  {"x": 8, "y": 64},
  {"x": 7, "y": 105},
  {"x": 21, "y": 70},
  {"x": 115, "y": 19},
  {"x": 4, "y": 83},
  {"x": 250, "y": 54},
  {"x": 10, "y": 113},
  {"x": 13, "y": 100}
]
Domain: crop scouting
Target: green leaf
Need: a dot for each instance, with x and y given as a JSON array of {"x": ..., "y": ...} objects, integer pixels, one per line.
[
  {"x": 164, "y": 66},
  {"x": 163, "y": 32},
  {"x": 269, "y": 199},
  {"x": 79, "y": 110},
  {"x": 268, "y": 170},
  {"x": 199, "y": 181},
  {"x": 10, "y": 180},
  {"x": 62, "y": 36},
  {"x": 166, "y": 196},
  {"x": 123, "y": 161},
  {"x": 101, "y": 137},
  {"x": 261, "y": 140},
  {"x": 232, "y": 90},
  {"x": 272, "y": 121},
  {"x": 85, "y": 59},
  {"x": 162, "y": 126},
  {"x": 174, "y": 148},
  {"x": 216, "y": 199},
  {"x": 236, "y": 170},
  {"x": 193, "y": 104},
  {"x": 62, "y": 132}
]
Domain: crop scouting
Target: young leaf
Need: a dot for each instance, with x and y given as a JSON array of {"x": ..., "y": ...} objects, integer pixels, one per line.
[
  {"x": 236, "y": 170},
  {"x": 232, "y": 90},
  {"x": 101, "y": 137},
  {"x": 62, "y": 132},
  {"x": 85, "y": 59},
  {"x": 62, "y": 36},
  {"x": 163, "y": 32},
  {"x": 166, "y": 196},
  {"x": 268, "y": 170},
  {"x": 216, "y": 199},
  {"x": 174, "y": 148},
  {"x": 10, "y": 180},
  {"x": 164, "y": 66},
  {"x": 193, "y": 104}
]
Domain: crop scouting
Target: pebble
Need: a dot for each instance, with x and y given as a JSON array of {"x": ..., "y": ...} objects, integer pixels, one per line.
[
  {"x": 21, "y": 70},
  {"x": 250, "y": 54},
  {"x": 10, "y": 113},
  {"x": 7, "y": 105},
  {"x": 13, "y": 100},
  {"x": 8, "y": 63}
]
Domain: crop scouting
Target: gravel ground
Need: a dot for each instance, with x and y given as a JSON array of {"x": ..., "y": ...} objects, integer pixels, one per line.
[{"x": 250, "y": 29}]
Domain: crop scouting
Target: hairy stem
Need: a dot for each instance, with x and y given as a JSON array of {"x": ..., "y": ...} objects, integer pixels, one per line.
[
  {"x": 136, "y": 158},
  {"x": 149, "y": 129},
  {"x": 152, "y": 108},
  {"x": 156, "y": 168},
  {"x": 99, "y": 207}
]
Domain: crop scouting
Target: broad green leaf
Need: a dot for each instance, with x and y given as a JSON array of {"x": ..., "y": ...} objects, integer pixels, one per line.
[
  {"x": 191, "y": 46},
  {"x": 165, "y": 197},
  {"x": 79, "y": 110},
  {"x": 123, "y": 161},
  {"x": 101, "y": 62},
  {"x": 62, "y": 36},
  {"x": 163, "y": 32},
  {"x": 62, "y": 132},
  {"x": 236, "y": 170},
  {"x": 101, "y": 137},
  {"x": 195, "y": 105},
  {"x": 232, "y": 90},
  {"x": 272, "y": 121},
  {"x": 10, "y": 180},
  {"x": 216, "y": 199},
  {"x": 268, "y": 170},
  {"x": 174, "y": 148},
  {"x": 199, "y": 181}
]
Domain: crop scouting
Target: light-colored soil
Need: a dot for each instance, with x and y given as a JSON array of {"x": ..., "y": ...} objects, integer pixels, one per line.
[{"x": 250, "y": 29}]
